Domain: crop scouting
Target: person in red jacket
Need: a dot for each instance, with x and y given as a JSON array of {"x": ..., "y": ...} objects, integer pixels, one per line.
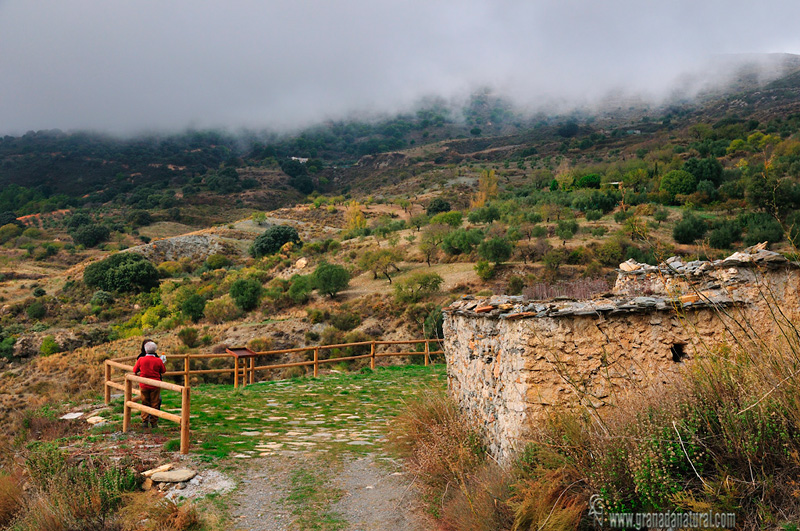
[{"x": 150, "y": 366}]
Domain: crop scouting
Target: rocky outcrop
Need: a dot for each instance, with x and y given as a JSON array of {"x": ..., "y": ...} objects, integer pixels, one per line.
[
  {"x": 510, "y": 360},
  {"x": 192, "y": 246}
]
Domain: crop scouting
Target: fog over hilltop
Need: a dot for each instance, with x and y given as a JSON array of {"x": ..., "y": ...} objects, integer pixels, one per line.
[{"x": 151, "y": 65}]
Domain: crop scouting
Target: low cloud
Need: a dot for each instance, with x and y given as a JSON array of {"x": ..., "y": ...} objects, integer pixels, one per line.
[{"x": 153, "y": 65}]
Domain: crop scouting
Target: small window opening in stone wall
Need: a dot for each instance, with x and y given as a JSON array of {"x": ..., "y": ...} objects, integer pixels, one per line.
[{"x": 677, "y": 352}]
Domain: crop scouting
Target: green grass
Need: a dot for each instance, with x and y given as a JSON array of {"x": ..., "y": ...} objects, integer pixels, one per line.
[
  {"x": 336, "y": 413},
  {"x": 310, "y": 497}
]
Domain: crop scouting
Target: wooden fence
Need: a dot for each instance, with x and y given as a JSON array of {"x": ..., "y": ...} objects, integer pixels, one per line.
[
  {"x": 182, "y": 419},
  {"x": 244, "y": 372}
]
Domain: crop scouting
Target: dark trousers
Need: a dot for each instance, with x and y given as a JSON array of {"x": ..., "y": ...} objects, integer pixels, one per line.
[{"x": 152, "y": 398}]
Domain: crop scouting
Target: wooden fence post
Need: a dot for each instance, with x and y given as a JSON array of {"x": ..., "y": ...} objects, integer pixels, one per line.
[
  {"x": 186, "y": 371},
  {"x": 126, "y": 410},
  {"x": 106, "y": 387},
  {"x": 185, "y": 410},
  {"x": 372, "y": 358},
  {"x": 316, "y": 361},
  {"x": 235, "y": 372},
  {"x": 252, "y": 369},
  {"x": 427, "y": 352}
]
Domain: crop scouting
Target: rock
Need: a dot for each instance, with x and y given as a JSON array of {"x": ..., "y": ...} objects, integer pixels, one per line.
[
  {"x": 95, "y": 421},
  {"x": 162, "y": 468},
  {"x": 174, "y": 476},
  {"x": 72, "y": 416},
  {"x": 630, "y": 265},
  {"x": 147, "y": 484},
  {"x": 301, "y": 263}
]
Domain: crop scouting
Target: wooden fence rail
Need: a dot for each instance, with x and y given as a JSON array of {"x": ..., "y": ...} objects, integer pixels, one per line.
[
  {"x": 182, "y": 419},
  {"x": 247, "y": 370}
]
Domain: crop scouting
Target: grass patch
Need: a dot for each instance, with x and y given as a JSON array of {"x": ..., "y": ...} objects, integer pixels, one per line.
[{"x": 310, "y": 497}]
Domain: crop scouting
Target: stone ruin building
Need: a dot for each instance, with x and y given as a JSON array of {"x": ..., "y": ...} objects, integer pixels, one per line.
[{"x": 509, "y": 360}]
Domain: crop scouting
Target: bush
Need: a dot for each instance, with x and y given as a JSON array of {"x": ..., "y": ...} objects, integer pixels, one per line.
[
  {"x": 246, "y": 293},
  {"x": 345, "y": 321},
  {"x": 452, "y": 218},
  {"x": 484, "y": 270},
  {"x": 330, "y": 279},
  {"x": 36, "y": 310},
  {"x": 724, "y": 234},
  {"x": 678, "y": 182},
  {"x": 689, "y": 229},
  {"x": 39, "y": 292},
  {"x": 90, "y": 235},
  {"x": 495, "y": 250},
  {"x": 188, "y": 336},
  {"x": 485, "y": 214},
  {"x": 593, "y": 215},
  {"x": 49, "y": 346},
  {"x": 101, "y": 298},
  {"x": 300, "y": 288},
  {"x": 437, "y": 205},
  {"x": 461, "y": 241},
  {"x": 122, "y": 272},
  {"x": 273, "y": 239},
  {"x": 217, "y": 261},
  {"x": 762, "y": 227},
  {"x": 515, "y": 285},
  {"x": 222, "y": 310},
  {"x": 417, "y": 286},
  {"x": 194, "y": 307}
]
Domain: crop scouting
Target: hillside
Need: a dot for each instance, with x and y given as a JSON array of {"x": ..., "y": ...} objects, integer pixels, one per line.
[{"x": 360, "y": 231}]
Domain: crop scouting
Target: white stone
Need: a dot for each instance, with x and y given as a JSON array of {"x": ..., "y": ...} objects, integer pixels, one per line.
[
  {"x": 71, "y": 416},
  {"x": 174, "y": 476}
]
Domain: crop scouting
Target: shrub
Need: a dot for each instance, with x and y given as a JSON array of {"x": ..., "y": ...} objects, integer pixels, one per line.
[
  {"x": 49, "y": 346},
  {"x": 194, "y": 307},
  {"x": 689, "y": 229},
  {"x": 515, "y": 285},
  {"x": 36, "y": 310},
  {"x": 437, "y": 205},
  {"x": 188, "y": 336},
  {"x": 678, "y": 182},
  {"x": 90, "y": 235},
  {"x": 724, "y": 234},
  {"x": 495, "y": 250},
  {"x": 271, "y": 241},
  {"x": 217, "y": 261},
  {"x": 300, "y": 288},
  {"x": 101, "y": 298},
  {"x": 484, "y": 270},
  {"x": 246, "y": 293},
  {"x": 345, "y": 321},
  {"x": 461, "y": 241},
  {"x": 762, "y": 227},
  {"x": 452, "y": 219},
  {"x": 39, "y": 292},
  {"x": 485, "y": 214},
  {"x": 417, "y": 286},
  {"x": 330, "y": 279},
  {"x": 122, "y": 272},
  {"x": 593, "y": 215},
  {"x": 222, "y": 310}
]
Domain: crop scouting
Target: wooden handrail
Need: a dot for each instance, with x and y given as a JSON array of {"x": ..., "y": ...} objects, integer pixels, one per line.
[
  {"x": 182, "y": 419},
  {"x": 245, "y": 370}
]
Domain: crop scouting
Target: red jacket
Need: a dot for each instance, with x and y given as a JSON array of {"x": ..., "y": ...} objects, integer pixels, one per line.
[{"x": 149, "y": 366}]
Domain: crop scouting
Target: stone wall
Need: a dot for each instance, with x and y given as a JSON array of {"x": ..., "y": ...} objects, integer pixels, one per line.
[{"x": 511, "y": 360}]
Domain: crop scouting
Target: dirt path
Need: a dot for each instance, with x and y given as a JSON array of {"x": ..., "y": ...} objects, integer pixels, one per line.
[{"x": 359, "y": 493}]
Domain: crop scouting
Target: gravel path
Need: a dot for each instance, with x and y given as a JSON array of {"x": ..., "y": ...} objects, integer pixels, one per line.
[
  {"x": 378, "y": 496},
  {"x": 375, "y": 495}
]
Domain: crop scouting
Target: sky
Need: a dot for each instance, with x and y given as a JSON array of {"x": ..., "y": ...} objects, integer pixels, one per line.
[{"x": 165, "y": 65}]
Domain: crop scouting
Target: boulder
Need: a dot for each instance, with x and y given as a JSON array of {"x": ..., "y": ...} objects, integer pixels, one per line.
[{"x": 174, "y": 476}]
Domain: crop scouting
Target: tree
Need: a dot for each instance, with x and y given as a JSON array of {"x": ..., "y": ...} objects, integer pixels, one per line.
[
  {"x": 354, "y": 217},
  {"x": 123, "y": 272},
  {"x": 495, "y": 250},
  {"x": 193, "y": 307},
  {"x": 436, "y": 206},
  {"x": 487, "y": 189},
  {"x": 461, "y": 241},
  {"x": 246, "y": 293},
  {"x": 417, "y": 286},
  {"x": 300, "y": 288},
  {"x": 381, "y": 262},
  {"x": 330, "y": 279},
  {"x": 689, "y": 229},
  {"x": 452, "y": 218},
  {"x": 273, "y": 239},
  {"x": 678, "y": 182},
  {"x": 90, "y": 235}
]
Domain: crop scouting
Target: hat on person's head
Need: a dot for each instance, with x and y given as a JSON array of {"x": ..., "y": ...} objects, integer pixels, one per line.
[{"x": 150, "y": 347}]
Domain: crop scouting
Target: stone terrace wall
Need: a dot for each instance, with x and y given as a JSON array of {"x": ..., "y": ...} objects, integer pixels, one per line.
[{"x": 510, "y": 360}]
